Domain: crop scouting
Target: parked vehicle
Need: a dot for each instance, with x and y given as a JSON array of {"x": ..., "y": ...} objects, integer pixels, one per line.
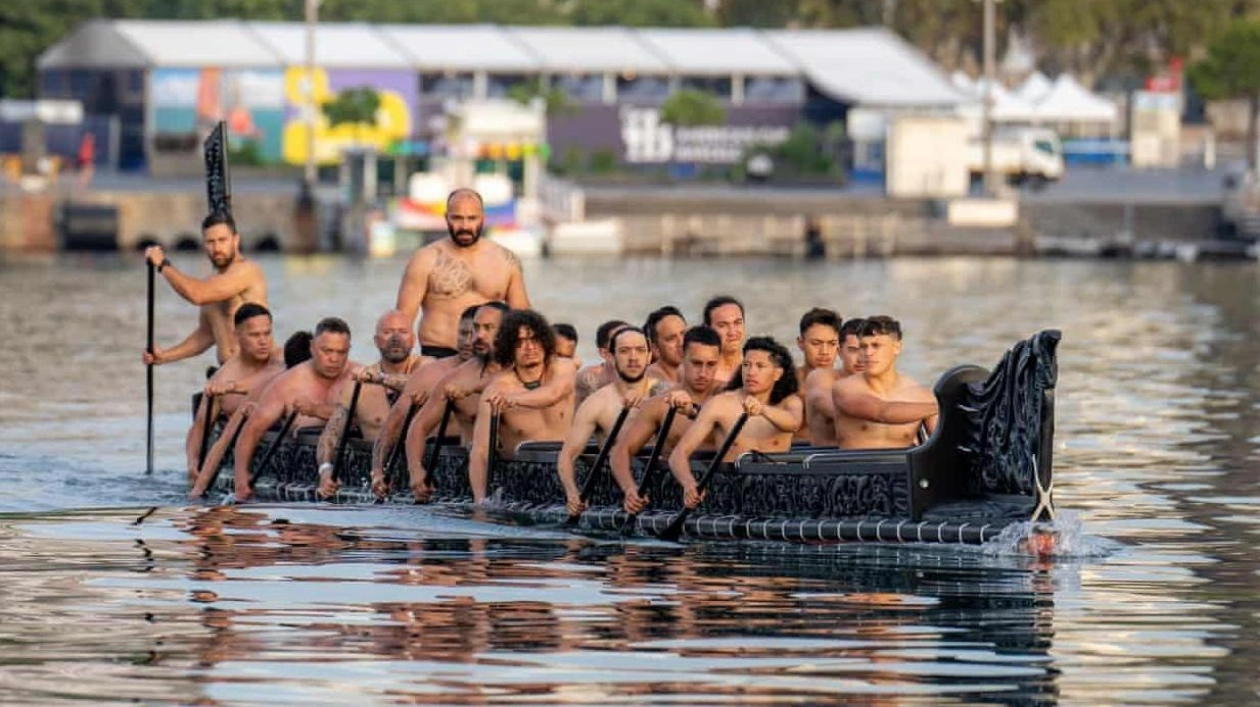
[{"x": 1032, "y": 156}]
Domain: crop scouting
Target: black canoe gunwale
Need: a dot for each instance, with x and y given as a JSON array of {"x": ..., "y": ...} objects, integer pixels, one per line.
[{"x": 987, "y": 464}]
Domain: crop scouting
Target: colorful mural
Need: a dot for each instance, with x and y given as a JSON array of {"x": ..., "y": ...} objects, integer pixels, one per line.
[
  {"x": 398, "y": 93},
  {"x": 188, "y": 102}
]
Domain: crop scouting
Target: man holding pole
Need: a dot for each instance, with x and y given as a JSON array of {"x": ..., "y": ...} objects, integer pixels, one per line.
[{"x": 235, "y": 281}]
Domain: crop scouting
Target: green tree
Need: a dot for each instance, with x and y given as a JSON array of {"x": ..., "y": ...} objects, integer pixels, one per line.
[
  {"x": 1232, "y": 70},
  {"x": 557, "y": 103},
  {"x": 356, "y": 106},
  {"x": 688, "y": 108},
  {"x": 641, "y": 13}
]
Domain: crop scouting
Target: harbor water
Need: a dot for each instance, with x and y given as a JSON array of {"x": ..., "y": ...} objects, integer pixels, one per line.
[{"x": 116, "y": 590}]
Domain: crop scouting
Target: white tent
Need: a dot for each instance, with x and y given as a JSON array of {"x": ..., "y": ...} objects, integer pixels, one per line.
[
  {"x": 1034, "y": 88},
  {"x": 1007, "y": 107},
  {"x": 1069, "y": 102},
  {"x": 963, "y": 82}
]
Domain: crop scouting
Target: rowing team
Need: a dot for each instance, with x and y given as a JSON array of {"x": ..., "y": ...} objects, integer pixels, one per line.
[{"x": 515, "y": 367}]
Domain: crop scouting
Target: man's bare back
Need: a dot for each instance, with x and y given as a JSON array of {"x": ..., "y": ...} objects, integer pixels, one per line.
[{"x": 444, "y": 278}]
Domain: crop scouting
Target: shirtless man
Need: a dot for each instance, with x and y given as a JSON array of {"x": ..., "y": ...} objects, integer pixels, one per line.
[
  {"x": 419, "y": 387},
  {"x": 446, "y": 277},
  {"x": 533, "y": 394},
  {"x": 297, "y": 350},
  {"x": 256, "y": 362},
  {"x": 379, "y": 384},
  {"x": 463, "y": 387},
  {"x": 566, "y": 343},
  {"x": 598, "y": 375},
  {"x": 765, "y": 388},
  {"x": 598, "y": 414},
  {"x": 235, "y": 281},
  {"x": 310, "y": 388},
  {"x": 820, "y": 409},
  {"x": 881, "y": 408},
  {"x": 664, "y": 328},
  {"x": 725, "y": 315},
  {"x": 701, "y": 350},
  {"x": 819, "y": 342}
]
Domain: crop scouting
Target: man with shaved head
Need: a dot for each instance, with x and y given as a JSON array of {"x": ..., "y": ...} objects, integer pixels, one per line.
[
  {"x": 379, "y": 386},
  {"x": 446, "y": 277}
]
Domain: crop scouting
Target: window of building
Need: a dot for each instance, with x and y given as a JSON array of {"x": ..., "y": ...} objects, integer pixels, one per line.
[
  {"x": 642, "y": 88},
  {"x": 719, "y": 86},
  {"x": 500, "y": 85},
  {"x": 447, "y": 84},
  {"x": 583, "y": 88},
  {"x": 774, "y": 89}
]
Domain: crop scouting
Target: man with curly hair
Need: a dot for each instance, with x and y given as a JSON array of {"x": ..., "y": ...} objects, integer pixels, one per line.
[
  {"x": 765, "y": 388},
  {"x": 533, "y": 394}
]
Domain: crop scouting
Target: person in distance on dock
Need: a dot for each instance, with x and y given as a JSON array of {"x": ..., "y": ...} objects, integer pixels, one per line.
[
  {"x": 380, "y": 384},
  {"x": 881, "y": 408},
  {"x": 256, "y": 362},
  {"x": 235, "y": 281},
  {"x": 598, "y": 413},
  {"x": 419, "y": 388},
  {"x": 446, "y": 277},
  {"x": 725, "y": 315},
  {"x": 702, "y": 348},
  {"x": 462, "y": 386},
  {"x": 311, "y": 389},
  {"x": 533, "y": 393},
  {"x": 765, "y": 388},
  {"x": 664, "y": 328},
  {"x": 598, "y": 375}
]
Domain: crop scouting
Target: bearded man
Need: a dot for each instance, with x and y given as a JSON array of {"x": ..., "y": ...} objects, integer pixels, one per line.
[{"x": 446, "y": 277}]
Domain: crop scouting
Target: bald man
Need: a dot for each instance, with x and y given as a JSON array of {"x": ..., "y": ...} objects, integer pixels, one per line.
[
  {"x": 380, "y": 384},
  {"x": 446, "y": 277}
]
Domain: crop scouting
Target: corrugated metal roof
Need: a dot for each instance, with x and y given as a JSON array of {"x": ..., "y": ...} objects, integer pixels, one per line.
[
  {"x": 461, "y": 48},
  {"x": 588, "y": 49},
  {"x": 337, "y": 45},
  {"x": 219, "y": 43},
  {"x": 867, "y": 66},
  {"x": 94, "y": 44},
  {"x": 709, "y": 52}
]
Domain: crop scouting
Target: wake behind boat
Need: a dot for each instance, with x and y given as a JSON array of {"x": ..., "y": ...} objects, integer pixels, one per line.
[{"x": 987, "y": 465}]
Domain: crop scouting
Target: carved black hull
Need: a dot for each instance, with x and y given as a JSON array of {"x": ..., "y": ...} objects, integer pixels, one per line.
[{"x": 986, "y": 466}]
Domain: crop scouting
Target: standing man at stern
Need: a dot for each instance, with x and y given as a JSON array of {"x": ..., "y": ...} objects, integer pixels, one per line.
[
  {"x": 446, "y": 277},
  {"x": 235, "y": 281}
]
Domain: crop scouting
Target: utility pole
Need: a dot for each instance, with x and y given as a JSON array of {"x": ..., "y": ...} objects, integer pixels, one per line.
[
  {"x": 312, "y": 19},
  {"x": 890, "y": 12},
  {"x": 990, "y": 76}
]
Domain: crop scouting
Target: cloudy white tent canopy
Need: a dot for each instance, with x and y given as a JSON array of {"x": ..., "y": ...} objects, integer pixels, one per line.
[
  {"x": 1007, "y": 107},
  {"x": 1035, "y": 87},
  {"x": 1070, "y": 102}
]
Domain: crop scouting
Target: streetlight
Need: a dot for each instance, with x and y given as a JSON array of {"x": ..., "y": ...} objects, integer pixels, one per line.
[
  {"x": 986, "y": 119},
  {"x": 312, "y": 18}
]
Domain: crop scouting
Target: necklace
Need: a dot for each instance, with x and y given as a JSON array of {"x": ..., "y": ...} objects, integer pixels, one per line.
[{"x": 529, "y": 385}]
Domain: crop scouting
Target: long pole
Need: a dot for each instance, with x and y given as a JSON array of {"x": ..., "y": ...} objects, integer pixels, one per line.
[
  {"x": 989, "y": 77},
  {"x": 312, "y": 19},
  {"x": 148, "y": 469}
]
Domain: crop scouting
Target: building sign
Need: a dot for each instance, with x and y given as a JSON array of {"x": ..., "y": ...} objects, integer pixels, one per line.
[{"x": 646, "y": 139}]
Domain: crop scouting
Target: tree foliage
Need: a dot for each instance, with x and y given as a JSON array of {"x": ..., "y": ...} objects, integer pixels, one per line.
[
  {"x": 688, "y": 108},
  {"x": 1231, "y": 69},
  {"x": 353, "y": 106},
  {"x": 1092, "y": 38}
]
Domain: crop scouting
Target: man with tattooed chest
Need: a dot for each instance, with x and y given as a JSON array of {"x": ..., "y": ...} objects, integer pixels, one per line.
[{"x": 445, "y": 278}]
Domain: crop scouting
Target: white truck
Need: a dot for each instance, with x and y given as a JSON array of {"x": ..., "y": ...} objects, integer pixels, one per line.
[{"x": 1032, "y": 156}]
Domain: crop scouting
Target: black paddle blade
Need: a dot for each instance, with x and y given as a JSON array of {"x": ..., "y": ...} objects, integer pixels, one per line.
[
  {"x": 675, "y": 528},
  {"x": 218, "y": 183},
  {"x": 148, "y": 468},
  {"x": 649, "y": 470}
]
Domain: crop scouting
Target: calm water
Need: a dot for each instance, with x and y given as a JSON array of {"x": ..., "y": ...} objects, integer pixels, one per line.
[{"x": 1155, "y": 460}]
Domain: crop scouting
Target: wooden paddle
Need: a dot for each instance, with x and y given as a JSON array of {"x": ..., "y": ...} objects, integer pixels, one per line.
[
  {"x": 148, "y": 469},
  {"x": 675, "y": 528},
  {"x": 493, "y": 450},
  {"x": 430, "y": 463},
  {"x": 650, "y": 471},
  {"x": 589, "y": 485},
  {"x": 206, "y": 425},
  {"x": 275, "y": 445},
  {"x": 396, "y": 454},
  {"x": 345, "y": 430}
]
